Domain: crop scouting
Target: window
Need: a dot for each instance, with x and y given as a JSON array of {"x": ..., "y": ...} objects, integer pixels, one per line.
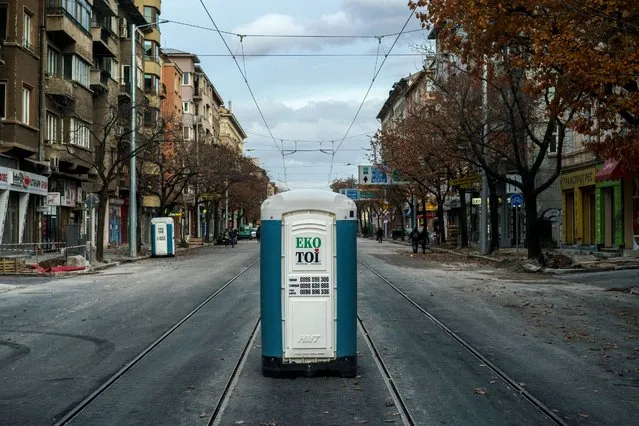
[
  {"x": 151, "y": 84},
  {"x": 186, "y": 79},
  {"x": 151, "y": 14},
  {"x": 52, "y": 127},
  {"x": 151, "y": 51},
  {"x": 126, "y": 74},
  {"x": 185, "y": 107},
  {"x": 76, "y": 69},
  {"x": 151, "y": 117},
  {"x": 26, "y": 31},
  {"x": 26, "y": 105},
  {"x": 3, "y": 100},
  {"x": 3, "y": 21},
  {"x": 53, "y": 62},
  {"x": 78, "y": 133},
  {"x": 79, "y": 10},
  {"x": 188, "y": 131}
]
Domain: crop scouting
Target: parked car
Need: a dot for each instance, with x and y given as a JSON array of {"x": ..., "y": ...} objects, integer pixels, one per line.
[{"x": 246, "y": 233}]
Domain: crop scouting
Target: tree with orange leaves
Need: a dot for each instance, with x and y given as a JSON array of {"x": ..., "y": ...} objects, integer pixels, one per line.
[{"x": 584, "y": 54}]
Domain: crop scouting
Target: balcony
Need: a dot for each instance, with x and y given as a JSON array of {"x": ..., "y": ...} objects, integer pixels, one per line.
[
  {"x": 63, "y": 29},
  {"x": 106, "y": 7},
  {"x": 104, "y": 40},
  {"x": 100, "y": 80},
  {"x": 124, "y": 90},
  {"x": 62, "y": 90},
  {"x": 197, "y": 94}
]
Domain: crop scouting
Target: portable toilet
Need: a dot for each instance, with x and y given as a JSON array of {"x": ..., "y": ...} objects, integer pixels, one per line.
[
  {"x": 162, "y": 237},
  {"x": 308, "y": 283}
]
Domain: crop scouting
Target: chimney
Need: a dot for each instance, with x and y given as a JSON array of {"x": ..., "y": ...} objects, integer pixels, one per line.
[{"x": 230, "y": 106}]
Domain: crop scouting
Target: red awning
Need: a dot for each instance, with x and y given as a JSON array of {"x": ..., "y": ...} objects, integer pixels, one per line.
[{"x": 611, "y": 170}]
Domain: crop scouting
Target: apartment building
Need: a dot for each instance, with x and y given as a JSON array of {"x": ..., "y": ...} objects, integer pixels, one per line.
[
  {"x": 231, "y": 132},
  {"x": 23, "y": 173}
]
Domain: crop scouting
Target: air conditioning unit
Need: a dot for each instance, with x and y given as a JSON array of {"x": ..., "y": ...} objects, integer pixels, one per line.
[{"x": 54, "y": 163}]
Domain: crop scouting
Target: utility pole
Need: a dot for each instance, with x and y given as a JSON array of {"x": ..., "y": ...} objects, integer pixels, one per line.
[
  {"x": 133, "y": 189},
  {"x": 483, "y": 219}
]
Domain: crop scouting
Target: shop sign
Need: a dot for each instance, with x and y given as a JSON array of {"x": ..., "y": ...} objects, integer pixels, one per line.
[
  {"x": 578, "y": 178},
  {"x": 53, "y": 199},
  {"x": 69, "y": 196},
  {"x": 18, "y": 180}
]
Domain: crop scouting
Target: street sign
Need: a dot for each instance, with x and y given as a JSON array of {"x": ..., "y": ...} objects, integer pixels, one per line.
[
  {"x": 91, "y": 201},
  {"x": 369, "y": 195},
  {"x": 466, "y": 182},
  {"x": 516, "y": 200},
  {"x": 53, "y": 199},
  {"x": 510, "y": 188},
  {"x": 372, "y": 175},
  {"x": 351, "y": 193}
]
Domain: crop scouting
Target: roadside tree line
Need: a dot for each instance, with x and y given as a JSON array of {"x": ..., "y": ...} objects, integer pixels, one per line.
[{"x": 511, "y": 80}]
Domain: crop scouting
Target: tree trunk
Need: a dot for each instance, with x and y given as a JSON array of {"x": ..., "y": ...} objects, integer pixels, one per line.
[
  {"x": 440, "y": 222},
  {"x": 493, "y": 199},
  {"x": 403, "y": 220},
  {"x": 532, "y": 236},
  {"x": 425, "y": 216},
  {"x": 99, "y": 244},
  {"x": 138, "y": 223},
  {"x": 463, "y": 223}
]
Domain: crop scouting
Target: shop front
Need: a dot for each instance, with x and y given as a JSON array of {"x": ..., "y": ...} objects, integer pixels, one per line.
[
  {"x": 22, "y": 194},
  {"x": 578, "y": 195},
  {"x": 610, "y": 205},
  {"x": 63, "y": 211}
]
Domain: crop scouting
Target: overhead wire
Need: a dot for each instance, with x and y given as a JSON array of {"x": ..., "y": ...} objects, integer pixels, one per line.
[
  {"x": 257, "y": 105},
  {"x": 219, "y": 31},
  {"x": 370, "y": 86}
]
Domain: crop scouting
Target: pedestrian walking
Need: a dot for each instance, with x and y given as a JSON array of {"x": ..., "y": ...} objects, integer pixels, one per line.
[
  {"x": 380, "y": 235},
  {"x": 414, "y": 239},
  {"x": 423, "y": 239}
]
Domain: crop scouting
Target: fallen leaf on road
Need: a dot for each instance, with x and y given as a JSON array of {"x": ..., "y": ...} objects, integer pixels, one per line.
[{"x": 480, "y": 391}]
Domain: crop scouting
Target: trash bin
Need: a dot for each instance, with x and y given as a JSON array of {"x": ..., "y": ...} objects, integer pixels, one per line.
[
  {"x": 162, "y": 237},
  {"x": 308, "y": 283}
]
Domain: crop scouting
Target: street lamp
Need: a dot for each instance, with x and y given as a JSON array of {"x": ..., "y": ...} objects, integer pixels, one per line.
[{"x": 133, "y": 213}]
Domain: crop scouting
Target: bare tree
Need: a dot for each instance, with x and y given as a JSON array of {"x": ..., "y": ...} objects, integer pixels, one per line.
[{"x": 108, "y": 152}]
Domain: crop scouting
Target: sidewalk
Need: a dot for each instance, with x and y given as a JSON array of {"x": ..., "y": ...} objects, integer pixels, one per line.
[
  {"x": 557, "y": 261},
  {"x": 113, "y": 256}
]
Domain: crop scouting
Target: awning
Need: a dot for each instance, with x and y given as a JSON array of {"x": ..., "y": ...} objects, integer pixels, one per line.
[{"x": 611, "y": 170}]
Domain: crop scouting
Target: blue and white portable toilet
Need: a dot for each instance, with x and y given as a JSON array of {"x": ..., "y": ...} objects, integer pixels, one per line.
[
  {"x": 308, "y": 283},
  {"x": 162, "y": 237}
]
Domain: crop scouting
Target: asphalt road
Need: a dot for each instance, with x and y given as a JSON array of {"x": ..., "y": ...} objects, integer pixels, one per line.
[{"x": 569, "y": 342}]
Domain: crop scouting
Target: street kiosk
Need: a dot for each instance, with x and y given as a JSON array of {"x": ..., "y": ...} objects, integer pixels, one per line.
[{"x": 308, "y": 283}]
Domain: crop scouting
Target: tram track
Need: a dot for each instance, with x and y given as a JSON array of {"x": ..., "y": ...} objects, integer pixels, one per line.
[
  {"x": 466, "y": 345},
  {"x": 86, "y": 402},
  {"x": 233, "y": 378}
]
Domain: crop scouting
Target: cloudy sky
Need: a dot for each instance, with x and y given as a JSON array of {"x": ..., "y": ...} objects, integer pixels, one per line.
[{"x": 308, "y": 102}]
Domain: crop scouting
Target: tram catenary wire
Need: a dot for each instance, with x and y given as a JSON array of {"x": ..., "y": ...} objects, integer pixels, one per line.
[
  {"x": 370, "y": 86},
  {"x": 257, "y": 105},
  {"x": 357, "y": 36}
]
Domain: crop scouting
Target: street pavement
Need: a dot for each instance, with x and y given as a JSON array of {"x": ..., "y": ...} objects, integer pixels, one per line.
[{"x": 571, "y": 341}]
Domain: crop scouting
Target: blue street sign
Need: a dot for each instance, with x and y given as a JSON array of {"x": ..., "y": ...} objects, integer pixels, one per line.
[
  {"x": 352, "y": 193},
  {"x": 516, "y": 200},
  {"x": 378, "y": 176}
]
